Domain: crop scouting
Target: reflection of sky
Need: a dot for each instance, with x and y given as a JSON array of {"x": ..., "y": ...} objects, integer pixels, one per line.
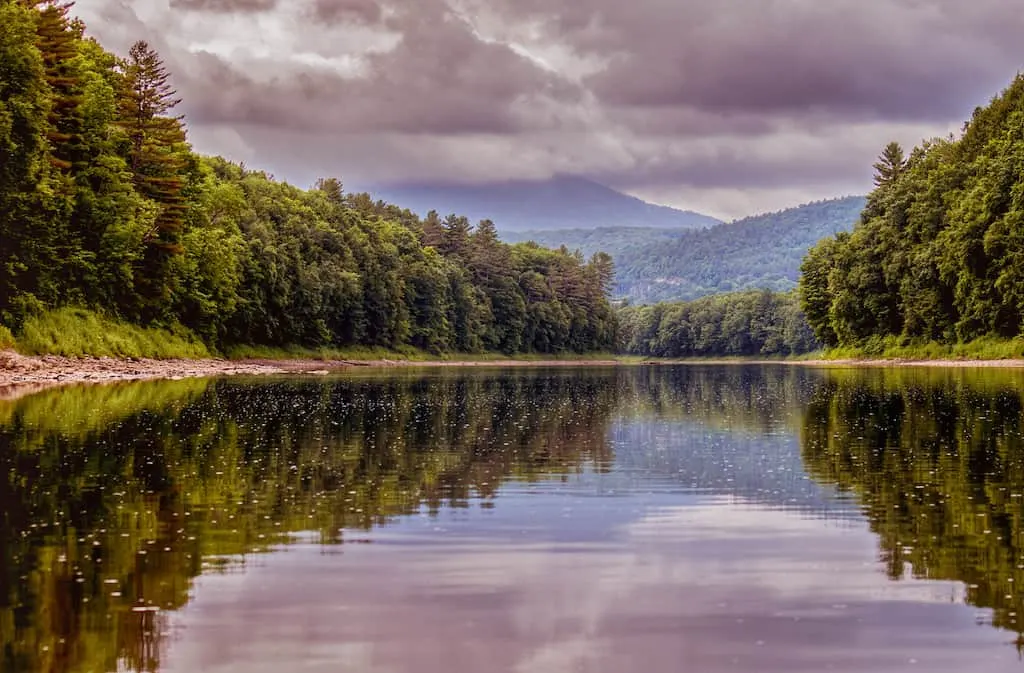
[
  {"x": 703, "y": 550},
  {"x": 762, "y": 467}
]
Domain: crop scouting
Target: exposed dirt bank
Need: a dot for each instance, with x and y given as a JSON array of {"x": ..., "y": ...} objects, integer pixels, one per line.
[{"x": 40, "y": 371}]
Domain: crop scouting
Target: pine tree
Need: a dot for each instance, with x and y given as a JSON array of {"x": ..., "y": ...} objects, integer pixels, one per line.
[
  {"x": 890, "y": 165},
  {"x": 157, "y": 157},
  {"x": 56, "y": 38}
]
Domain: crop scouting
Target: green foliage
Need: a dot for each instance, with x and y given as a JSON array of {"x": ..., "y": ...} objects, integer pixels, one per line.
[
  {"x": 740, "y": 324},
  {"x": 7, "y": 340},
  {"x": 104, "y": 206},
  {"x": 938, "y": 253},
  {"x": 899, "y": 348},
  {"x": 78, "y": 332},
  {"x": 761, "y": 252}
]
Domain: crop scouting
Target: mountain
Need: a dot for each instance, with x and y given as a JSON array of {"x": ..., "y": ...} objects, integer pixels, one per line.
[
  {"x": 764, "y": 251},
  {"x": 560, "y": 203}
]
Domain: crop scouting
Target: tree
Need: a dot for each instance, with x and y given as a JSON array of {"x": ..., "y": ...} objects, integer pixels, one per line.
[
  {"x": 26, "y": 184},
  {"x": 158, "y": 161},
  {"x": 56, "y": 38},
  {"x": 890, "y": 165}
]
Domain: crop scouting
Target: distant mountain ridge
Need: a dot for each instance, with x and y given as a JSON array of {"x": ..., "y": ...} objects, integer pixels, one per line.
[
  {"x": 763, "y": 251},
  {"x": 560, "y": 203}
]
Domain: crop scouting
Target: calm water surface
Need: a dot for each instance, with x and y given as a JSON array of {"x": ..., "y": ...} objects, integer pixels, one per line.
[{"x": 703, "y": 519}]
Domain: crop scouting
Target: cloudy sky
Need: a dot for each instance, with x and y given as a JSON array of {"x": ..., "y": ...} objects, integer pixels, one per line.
[{"x": 724, "y": 106}]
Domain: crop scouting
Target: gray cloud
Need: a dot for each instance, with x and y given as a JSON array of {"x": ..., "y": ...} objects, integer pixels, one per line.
[
  {"x": 345, "y": 11},
  {"x": 439, "y": 79},
  {"x": 893, "y": 58},
  {"x": 225, "y": 6},
  {"x": 712, "y": 95}
]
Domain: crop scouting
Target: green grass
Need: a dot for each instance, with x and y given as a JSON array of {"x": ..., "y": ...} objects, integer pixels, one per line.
[
  {"x": 7, "y": 340},
  {"x": 895, "y": 348},
  {"x": 77, "y": 332}
]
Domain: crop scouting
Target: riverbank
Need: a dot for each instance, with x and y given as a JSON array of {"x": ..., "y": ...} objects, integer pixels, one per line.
[
  {"x": 20, "y": 373},
  {"x": 37, "y": 371}
]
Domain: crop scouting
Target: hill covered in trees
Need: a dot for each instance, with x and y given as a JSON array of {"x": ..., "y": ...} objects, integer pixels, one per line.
[
  {"x": 760, "y": 252},
  {"x": 104, "y": 206},
  {"x": 938, "y": 254},
  {"x": 563, "y": 202}
]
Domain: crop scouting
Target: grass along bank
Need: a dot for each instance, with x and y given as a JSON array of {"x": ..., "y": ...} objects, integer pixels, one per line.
[
  {"x": 76, "y": 332},
  {"x": 80, "y": 333},
  {"x": 895, "y": 348}
]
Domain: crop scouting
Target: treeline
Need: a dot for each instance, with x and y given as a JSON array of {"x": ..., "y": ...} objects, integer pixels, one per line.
[
  {"x": 103, "y": 205},
  {"x": 937, "y": 253},
  {"x": 741, "y": 323}
]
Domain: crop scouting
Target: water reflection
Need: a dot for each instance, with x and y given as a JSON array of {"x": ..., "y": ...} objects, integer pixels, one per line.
[
  {"x": 600, "y": 519},
  {"x": 937, "y": 459},
  {"x": 114, "y": 498}
]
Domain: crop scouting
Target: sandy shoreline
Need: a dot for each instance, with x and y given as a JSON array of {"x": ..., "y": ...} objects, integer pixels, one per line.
[{"x": 20, "y": 374}]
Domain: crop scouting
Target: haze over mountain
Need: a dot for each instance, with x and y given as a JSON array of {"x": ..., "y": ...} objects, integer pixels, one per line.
[
  {"x": 560, "y": 203},
  {"x": 763, "y": 251}
]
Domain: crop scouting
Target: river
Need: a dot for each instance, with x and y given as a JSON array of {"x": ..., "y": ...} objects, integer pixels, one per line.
[{"x": 608, "y": 519}]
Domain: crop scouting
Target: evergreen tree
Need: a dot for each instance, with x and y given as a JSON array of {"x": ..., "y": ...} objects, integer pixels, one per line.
[
  {"x": 158, "y": 163},
  {"x": 890, "y": 165}
]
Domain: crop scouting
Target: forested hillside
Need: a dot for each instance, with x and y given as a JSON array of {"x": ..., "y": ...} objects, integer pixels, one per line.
[
  {"x": 760, "y": 252},
  {"x": 742, "y": 323},
  {"x": 939, "y": 250},
  {"x": 103, "y": 205}
]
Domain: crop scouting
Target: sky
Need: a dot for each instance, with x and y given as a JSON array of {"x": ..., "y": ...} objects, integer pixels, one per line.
[{"x": 727, "y": 107}]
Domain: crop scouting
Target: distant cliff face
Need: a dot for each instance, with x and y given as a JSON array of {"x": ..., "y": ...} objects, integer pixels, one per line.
[{"x": 559, "y": 203}]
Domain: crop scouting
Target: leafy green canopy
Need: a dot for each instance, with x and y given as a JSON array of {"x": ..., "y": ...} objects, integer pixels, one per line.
[
  {"x": 742, "y": 323},
  {"x": 937, "y": 254},
  {"x": 103, "y": 205}
]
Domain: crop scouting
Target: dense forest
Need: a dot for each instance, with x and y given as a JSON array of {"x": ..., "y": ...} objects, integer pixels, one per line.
[
  {"x": 760, "y": 252},
  {"x": 937, "y": 254},
  {"x": 104, "y": 206},
  {"x": 741, "y": 323}
]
